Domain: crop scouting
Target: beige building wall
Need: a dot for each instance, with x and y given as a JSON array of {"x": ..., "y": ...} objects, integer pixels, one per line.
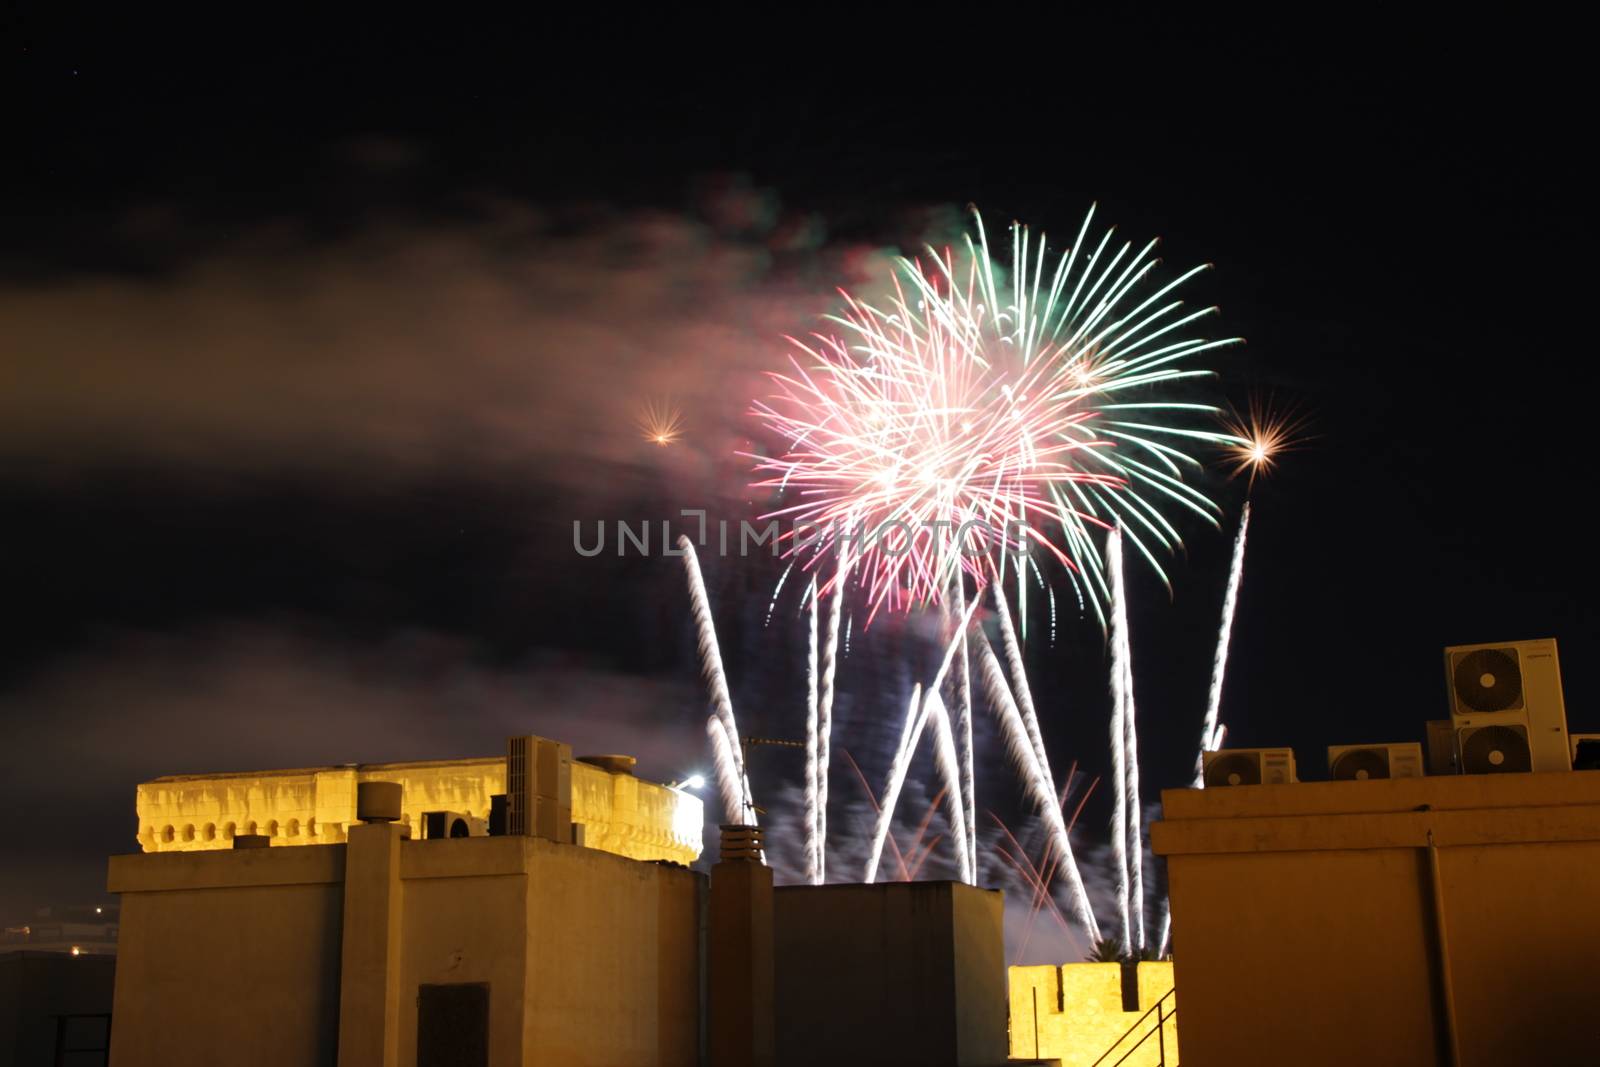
[
  {"x": 228, "y": 957},
  {"x": 235, "y": 956},
  {"x": 892, "y": 973},
  {"x": 1314, "y": 920},
  {"x": 309, "y": 806},
  {"x": 1073, "y": 1013}
]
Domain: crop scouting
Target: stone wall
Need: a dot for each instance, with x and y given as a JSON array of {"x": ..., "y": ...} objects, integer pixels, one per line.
[{"x": 620, "y": 813}]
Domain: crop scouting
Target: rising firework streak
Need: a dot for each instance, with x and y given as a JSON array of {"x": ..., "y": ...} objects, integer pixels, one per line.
[
  {"x": 910, "y": 734},
  {"x": 826, "y": 690},
  {"x": 732, "y": 782},
  {"x": 1209, "y": 735},
  {"x": 949, "y": 764},
  {"x": 1128, "y": 790},
  {"x": 1019, "y": 746},
  {"x": 813, "y": 828}
]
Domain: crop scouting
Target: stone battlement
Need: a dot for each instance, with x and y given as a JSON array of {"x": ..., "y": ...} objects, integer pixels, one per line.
[{"x": 620, "y": 813}]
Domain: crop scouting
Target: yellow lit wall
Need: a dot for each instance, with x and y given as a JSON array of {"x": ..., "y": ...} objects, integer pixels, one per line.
[
  {"x": 1306, "y": 919},
  {"x": 1073, "y": 1013},
  {"x": 619, "y": 812}
]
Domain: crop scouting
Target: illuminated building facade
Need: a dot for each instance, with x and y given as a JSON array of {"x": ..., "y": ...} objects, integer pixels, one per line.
[{"x": 619, "y": 812}]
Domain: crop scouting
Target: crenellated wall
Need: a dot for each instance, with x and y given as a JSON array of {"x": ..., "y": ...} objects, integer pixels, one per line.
[
  {"x": 620, "y": 813},
  {"x": 1073, "y": 1013}
]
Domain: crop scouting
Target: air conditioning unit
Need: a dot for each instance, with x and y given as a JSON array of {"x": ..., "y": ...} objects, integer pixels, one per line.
[
  {"x": 539, "y": 789},
  {"x": 437, "y": 824},
  {"x": 1442, "y": 747},
  {"x": 1352, "y": 763},
  {"x": 1506, "y": 707},
  {"x": 1249, "y": 766},
  {"x": 1586, "y": 752}
]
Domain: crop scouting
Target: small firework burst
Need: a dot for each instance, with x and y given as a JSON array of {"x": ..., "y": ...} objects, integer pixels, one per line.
[
  {"x": 661, "y": 423},
  {"x": 1259, "y": 437}
]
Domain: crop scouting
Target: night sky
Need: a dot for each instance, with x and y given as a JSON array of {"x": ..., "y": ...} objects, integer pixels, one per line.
[{"x": 315, "y": 340}]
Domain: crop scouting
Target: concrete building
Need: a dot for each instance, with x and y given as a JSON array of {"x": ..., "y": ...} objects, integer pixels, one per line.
[
  {"x": 1415, "y": 921},
  {"x": 75, "y": 930},
  {"x": 55, "y": 1008},
  {"x": 903, "y": 972},
  {"x": 391, "y": 949}
]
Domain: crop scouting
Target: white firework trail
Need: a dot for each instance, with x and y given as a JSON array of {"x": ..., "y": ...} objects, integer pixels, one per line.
[
  {"x": 969, "y": 787},
  {"x": 916, "y": 719},
  {"x": 1210, "y": 735},
  {"x": 813, "y": 841},
  {"x": 1119, "y": 754},
  {"x": 1122, "y": 661},
  {"x": 725, "y": 760},
  {"x": 1019, "y": 680},
  {"x": 1039, "y": 784},
  {"x": 732, "y": 782},
  {"x": 825, "y": 691},
  {"x": 949, "y": 764},
  {"x": 910, "y": 734}
]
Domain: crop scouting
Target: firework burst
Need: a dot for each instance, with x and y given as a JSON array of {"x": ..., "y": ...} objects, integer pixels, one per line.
[
  {"x": 661, "y": 423},
  {"x": 1257, "y": 439},
  {"x": 980, "y": 414}
]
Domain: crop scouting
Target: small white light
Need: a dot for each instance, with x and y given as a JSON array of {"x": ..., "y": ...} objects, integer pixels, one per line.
[
  {"x": 76, "y": 951},
  {"x": 695, "y": 781}
]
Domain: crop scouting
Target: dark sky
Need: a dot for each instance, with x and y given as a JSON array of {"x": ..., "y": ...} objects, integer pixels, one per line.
[{"x": 315, "y": 339}]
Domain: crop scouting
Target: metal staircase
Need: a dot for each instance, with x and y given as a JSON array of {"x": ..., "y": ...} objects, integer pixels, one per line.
[{"x": 1161, "y": 1012}]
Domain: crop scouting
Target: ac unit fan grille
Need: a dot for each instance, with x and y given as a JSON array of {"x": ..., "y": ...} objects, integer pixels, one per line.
[
  {"x": 1489, "y": 680},
  {"x": 1360, "y": 763},
  {"x": 1495, "y": 750},
  {"x": 1238, "y": 768}
]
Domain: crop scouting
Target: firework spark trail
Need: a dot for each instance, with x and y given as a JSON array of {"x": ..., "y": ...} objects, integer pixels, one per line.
[
  {"x": 732, "y": 782},
  {"x": 910, "y": 734},
  {"x": 813, "y": 843},
  {"x": 1119, "y": 754},
  {"x": 726, "y": 763},
  {"x": 1122, "y": 662},
  {"x": 1219, "y": 664},
  {"x": 830, "y": 667},
  {"x": 916, "y": 719},
  {"x": 1004, "y": 405},
  {"x": 1020, "y": 748},
  {"x": 1019, "y": 680},
  {"x": 969, "y": 787},
  {"x": 949, "y": 764}
]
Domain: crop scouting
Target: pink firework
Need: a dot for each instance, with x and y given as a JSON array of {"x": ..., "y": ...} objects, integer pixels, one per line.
[
  {"x": 906, "y": 439},
  {"x": 965, "y": 422}
]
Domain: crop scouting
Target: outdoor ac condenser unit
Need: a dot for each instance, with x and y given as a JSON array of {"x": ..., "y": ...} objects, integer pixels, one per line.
[
  {"x": 436, "y": 824},
  {"x": 1249, "y": 766},
  {"x": 539, "y": 788},
  {"x": 1506, "y": 707},
  {"x": 1586, "y": 752},
  {"x": 1352, "y": 763}
]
